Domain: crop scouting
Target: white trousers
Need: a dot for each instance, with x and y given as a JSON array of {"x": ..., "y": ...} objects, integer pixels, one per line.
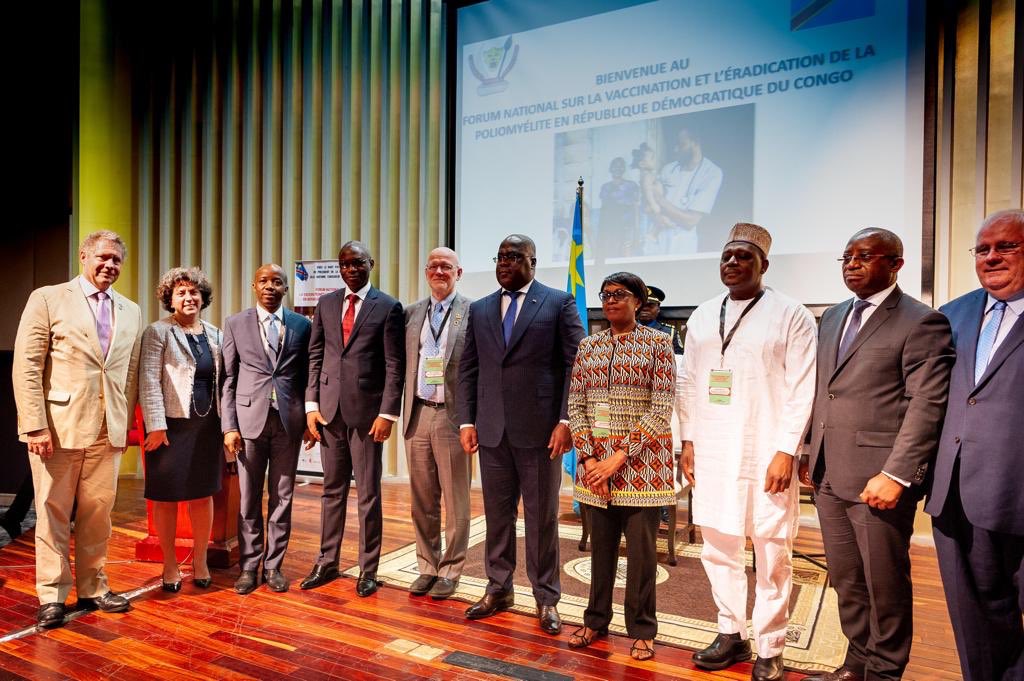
[{"x": 724, "y": 564}]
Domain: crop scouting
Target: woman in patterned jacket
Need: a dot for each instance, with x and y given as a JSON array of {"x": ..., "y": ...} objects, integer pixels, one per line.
[{"x": 620, "y": 405}]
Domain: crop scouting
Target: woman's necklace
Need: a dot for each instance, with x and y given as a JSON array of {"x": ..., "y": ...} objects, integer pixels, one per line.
[{"x": 199, "y": 353}]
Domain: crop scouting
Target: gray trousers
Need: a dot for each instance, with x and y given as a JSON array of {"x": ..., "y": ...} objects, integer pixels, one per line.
[
  {"x": 438, "y": 468},
  {"x": 273, "y": 450}
]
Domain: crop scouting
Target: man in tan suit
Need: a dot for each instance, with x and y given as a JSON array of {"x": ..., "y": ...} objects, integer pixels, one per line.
[
  {"x": 435, "y": 331},
  {"x": 75, "y": 373}
]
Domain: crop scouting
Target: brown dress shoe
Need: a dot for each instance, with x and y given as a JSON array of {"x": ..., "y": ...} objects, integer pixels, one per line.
[
  {"x": 51, "y": 615},
  {"x": 422, "y": 584},
  {"x": 768, "y": 669},
  {"x": 550, "y": 622},
  {"x": 490, "y": 604}
]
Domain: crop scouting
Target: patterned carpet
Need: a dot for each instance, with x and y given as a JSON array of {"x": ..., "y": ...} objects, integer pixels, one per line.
[{"x": 686, "y": 611}]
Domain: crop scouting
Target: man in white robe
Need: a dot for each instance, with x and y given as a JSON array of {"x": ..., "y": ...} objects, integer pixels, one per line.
[{"x": 744, "y": 395}]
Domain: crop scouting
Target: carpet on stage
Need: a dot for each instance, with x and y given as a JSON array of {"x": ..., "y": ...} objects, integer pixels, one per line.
[{"x": 687, "y": 616}]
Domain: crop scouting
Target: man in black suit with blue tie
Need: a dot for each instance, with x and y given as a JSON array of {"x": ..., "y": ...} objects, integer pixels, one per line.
[
  {"x": 265, "y": 368},
  {"x": 354, "y": 392},
  {"x": 512, "y": 404}
]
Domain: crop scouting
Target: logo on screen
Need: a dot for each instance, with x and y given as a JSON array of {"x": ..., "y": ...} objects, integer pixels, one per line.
[
  {"x": 300, "y": 272},
  {"x": 491, "y": 62},
  {"x": 814, "y": 13}
]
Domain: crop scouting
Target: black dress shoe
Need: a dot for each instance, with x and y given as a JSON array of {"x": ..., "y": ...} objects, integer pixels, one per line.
[
  {"x": 490, "y": 604},
  {"x": 768, "y": 669},
  {"x": 320, "y": 575},
  {"x": 11, "y": 526},
  {"x": 550, "y": 622},
  {"x": 725, "y": 651},
  {"x": 108, "y": 602},
  {"x": 367, "y": 585},
  {"x": 443, "y": 588},
  {"x": 51, "y": 615},
  {"x": 247, "y": 582},
  {"x": 841, "y": 674},
  {"x": 202, "y": 582},
  {"x": 422, "y": 584},
  {"x": 171, "y": 587},
  {"x": 275, "y": 580}
]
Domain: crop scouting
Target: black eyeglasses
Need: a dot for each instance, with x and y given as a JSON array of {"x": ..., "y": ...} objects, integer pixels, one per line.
[
  {"x": 1002, "y": 248},
  {"x": 509, "y": 257},
  {"x": 865, "y": 257},
  {"x": 618, "y": 294},
  {"x": 352, "y": 264}
]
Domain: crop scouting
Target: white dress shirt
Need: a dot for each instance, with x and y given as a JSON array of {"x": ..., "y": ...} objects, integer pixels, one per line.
[
  {"x": 1014, "y": 310},
  {"x": 264, "y": 317},
  {"x": 426, "y": 335}
]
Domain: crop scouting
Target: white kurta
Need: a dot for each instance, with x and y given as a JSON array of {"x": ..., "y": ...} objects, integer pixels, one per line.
[{"x": 772, "y": 358}]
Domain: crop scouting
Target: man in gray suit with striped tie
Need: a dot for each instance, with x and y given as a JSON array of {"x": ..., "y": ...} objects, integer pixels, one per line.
[
  {"x": 435, "y": 331},
  {"x": 265, "y": 365}
]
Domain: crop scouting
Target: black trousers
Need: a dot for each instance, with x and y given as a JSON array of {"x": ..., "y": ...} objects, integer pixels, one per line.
[
  {"x": 640, "y": 526},
  {"x": 983, "y": 574},
  {"x": 868, "y": 553}
]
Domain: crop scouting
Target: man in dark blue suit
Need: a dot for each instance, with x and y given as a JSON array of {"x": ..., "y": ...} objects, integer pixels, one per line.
[
  {"x": 354, "y": 392},
  {"x": 977, "y": 496},
  {"x": 265, "y": 367},
  {"x": 512, "y": 403}
]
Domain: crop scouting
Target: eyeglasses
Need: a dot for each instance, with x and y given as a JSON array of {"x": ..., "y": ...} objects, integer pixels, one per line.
[
  {"x": 618, "y": 294},
  {"x": 509, "y": 257},
  {"x": 440, "y": 267},
  {"x": 865, "y": 257},
  {"x": 1002, "y": 248},
  {"x": 352, "y": 264}
]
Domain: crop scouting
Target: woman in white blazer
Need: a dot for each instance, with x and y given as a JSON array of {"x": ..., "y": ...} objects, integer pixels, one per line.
[{"x": 179, "y": 376}]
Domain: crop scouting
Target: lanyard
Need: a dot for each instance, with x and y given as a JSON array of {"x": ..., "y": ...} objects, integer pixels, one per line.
[
  {"x": 444, "y": 321},
  {"x": 726, "y": 340}
]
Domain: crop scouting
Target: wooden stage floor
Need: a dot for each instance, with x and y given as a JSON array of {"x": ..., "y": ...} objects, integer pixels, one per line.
[{"x": 330, "y": 633}]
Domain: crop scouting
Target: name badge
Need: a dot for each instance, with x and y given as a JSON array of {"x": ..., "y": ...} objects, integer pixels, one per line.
[
  {"x": 720, "y": 386},
  {"x": 602, "y": 420},
  {"x": 433, "y": 370}
]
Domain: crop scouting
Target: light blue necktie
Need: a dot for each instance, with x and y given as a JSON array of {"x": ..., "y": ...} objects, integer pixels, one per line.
[
  {"x": 273, "y": 335},
  {"x": 431, "y": 348},
  {"x": 852, "y": 329},
  {"x": 987, "y": 339},
  {"x": 510, "y": 316}
]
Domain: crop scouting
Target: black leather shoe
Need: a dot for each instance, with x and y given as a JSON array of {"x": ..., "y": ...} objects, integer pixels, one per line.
[
  {"x": 320, "y": 575},
  {"x": 108, "y": 602},
  {"x": 12, "y": 527},
  {"x": 51, "y": 615},
  {"x": 725, "y": 651},
  {"x": 841, "y": 674},
  {"x": 550, "y": 622},
  {"x": 490, "y": 604},
  {"x": 768, "y": 669},
  {"x": 367, "y": 585},
  {"x": 443, "y": 588},
  {"x": 202, "y": 582},
  {"x": 247, "y": 582},
  {"x": 171, "y": 587},
  {"x": 275, "y": 580},
  {"x": 422, "y": 584}
]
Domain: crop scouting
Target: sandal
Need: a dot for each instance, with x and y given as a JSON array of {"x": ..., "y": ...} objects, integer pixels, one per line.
[
  {"x": 578, "y": 639},
  {"x": 641, "y": 650}
]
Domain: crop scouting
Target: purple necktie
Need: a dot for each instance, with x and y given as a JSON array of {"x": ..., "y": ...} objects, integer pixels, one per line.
[{"x": 103, "y": 320}]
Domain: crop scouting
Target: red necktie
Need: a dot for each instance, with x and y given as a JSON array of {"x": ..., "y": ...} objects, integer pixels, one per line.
[{"x": 349, "y": 319}]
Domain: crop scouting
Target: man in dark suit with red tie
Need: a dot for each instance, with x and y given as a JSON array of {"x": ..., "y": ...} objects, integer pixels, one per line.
[
  {"x": 354, "y": 393},
  {"x": 513, "y": 405},
  {"x": 977, "y": 496},
  {"x": 883, "y": 371}
]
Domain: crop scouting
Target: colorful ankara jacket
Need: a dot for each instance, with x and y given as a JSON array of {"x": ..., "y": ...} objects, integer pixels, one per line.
[{"x": 634, "y": 374}]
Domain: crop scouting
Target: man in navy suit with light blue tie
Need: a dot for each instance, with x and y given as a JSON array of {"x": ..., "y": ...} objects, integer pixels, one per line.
[
  {"x": 265, "y": 365},
  {"x": 512, "y": 404},
  {"x": 977, "y": 496}
]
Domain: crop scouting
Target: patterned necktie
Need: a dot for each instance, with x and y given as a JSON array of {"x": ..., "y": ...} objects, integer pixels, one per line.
[
  {"x": 103, "y": 320},
  {"x": 431, "y": 348},
  {"x": 987, "y": 339},
  {"x": 852, "y": 329},
  {"x": 349, "y": 319},
  {"x": 510, "y": 315},
  {"x": 273, "y": 335}
]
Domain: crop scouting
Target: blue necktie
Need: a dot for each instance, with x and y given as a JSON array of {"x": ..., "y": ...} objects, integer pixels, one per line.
[
  {"x": 987, "y": 339},
  {"x": 852, "y": 329},
  {"x": 431, "y": 348},
  {"x": 273, "y": 335},
  {"x": 510, "y": 315}
]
